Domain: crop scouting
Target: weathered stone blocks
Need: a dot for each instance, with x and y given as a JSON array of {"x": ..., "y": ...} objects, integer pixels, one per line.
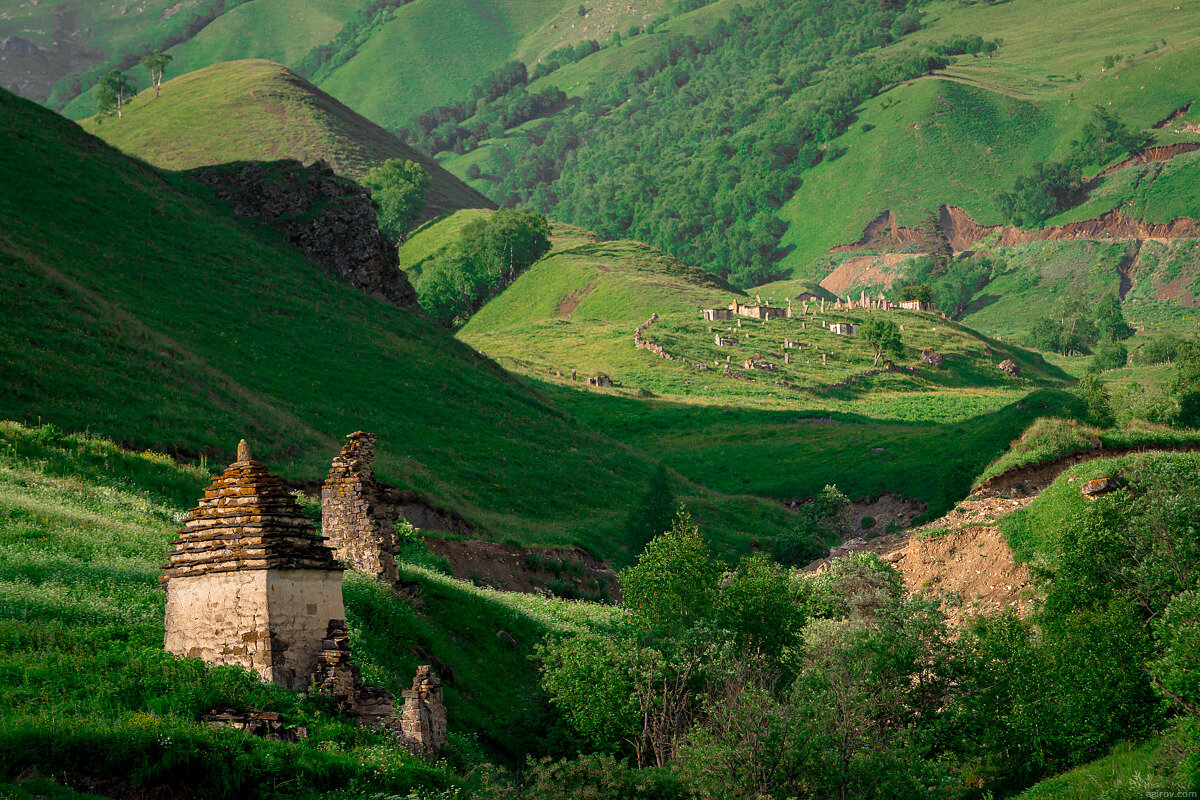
[{"x": 249, "y": 580}]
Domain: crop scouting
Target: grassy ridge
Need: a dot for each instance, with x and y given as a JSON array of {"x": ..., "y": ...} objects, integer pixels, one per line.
[
  {"x": 172, "y": 326},
  {"x": 243, "y": 110}
]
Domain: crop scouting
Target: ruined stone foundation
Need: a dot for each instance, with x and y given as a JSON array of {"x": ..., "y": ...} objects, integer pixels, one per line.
[{"x": 250, "y": 581}]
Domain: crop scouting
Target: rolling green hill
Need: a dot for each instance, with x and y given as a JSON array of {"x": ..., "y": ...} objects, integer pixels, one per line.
[
  {"x": 578, "y": 309},
  {"x": 172, "y": 326},
  {"x": 243, "y": 110}
]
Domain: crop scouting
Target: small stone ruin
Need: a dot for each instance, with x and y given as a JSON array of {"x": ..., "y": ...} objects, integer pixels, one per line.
[
  {"x": 360, "y": 527},
  {"x": 250, "y": 580},
  {"x": 423, "y": 719}
]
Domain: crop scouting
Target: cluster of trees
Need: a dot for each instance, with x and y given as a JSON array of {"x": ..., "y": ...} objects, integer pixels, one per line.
[
  {"x": 1075, "y": 329},
  {"x": 398, "y": 187},
  {"x": 747, "y": 681},
  {"x": 116, "y": 89},
  {"x": 500, "y": 102},
  {"x": 1054, "y": 186},
  {"x": 559, "y": 57},
  {"x": 1174, "y": 402},
  {"x": 487, "y": 256},
  {"x": 696, "y": 148}
]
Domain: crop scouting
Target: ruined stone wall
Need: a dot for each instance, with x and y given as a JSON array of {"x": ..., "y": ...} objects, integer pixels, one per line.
[
  {"x": 423, "y": 717},
  {"x": 357, "y": 523}
]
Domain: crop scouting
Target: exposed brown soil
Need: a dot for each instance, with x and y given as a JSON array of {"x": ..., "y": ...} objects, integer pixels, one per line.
[
  {"x": 1152, "y": 154},
  {"x": 864, "y": 271},
  {"x": 961, "y": 558},
  {"x": 964, "y": 232},
  {"x": 570, "y": 302},
  {"x": 1174, "y": 115},
  {"x": 883, "y": 231},
  {"x": 526, "y": 569}
]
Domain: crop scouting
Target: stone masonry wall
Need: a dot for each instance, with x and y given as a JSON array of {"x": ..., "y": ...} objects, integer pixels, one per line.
[
  {"x": 356, "y": 520},
  {"x": 250, "y": 580}
]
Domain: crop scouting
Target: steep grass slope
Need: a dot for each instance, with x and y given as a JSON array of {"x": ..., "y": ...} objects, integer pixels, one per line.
[
  {"x": 85, "y": 528},
  {"x": 242, "y": 110},
  {"x": 431, "y": 53},
  {"x": 139, "y": 312},
  {"x": 962, "y": 136}
]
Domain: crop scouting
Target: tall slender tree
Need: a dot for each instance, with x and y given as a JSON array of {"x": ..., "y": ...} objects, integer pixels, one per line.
[
  {"x": 113, "y": 92},
  {"x": 156, "y": 64}
]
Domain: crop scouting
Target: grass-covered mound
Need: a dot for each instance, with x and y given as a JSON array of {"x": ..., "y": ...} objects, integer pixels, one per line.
[
  {"x": 84, "y": 530},
  {"x": 578, "y": 308},
  {"x": 260, "y": 110},
  {"x": 142, "y": 313}
]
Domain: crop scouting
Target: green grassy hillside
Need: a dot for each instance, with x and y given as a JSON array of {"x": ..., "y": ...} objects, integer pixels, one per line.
[
  {"x": 244, "y": 110},
  {"x": 428, "y": 54},
  {"x": 84, "y": 531},
  {"x": 170, "y": 325},
  {"x": 578, "y": 308}
]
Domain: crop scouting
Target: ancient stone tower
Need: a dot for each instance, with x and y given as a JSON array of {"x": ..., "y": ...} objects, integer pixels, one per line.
[
  {"x": 250, "y": 580},
  {"x": 423, "y": 718},
  {"x": 359, "y": 524}
]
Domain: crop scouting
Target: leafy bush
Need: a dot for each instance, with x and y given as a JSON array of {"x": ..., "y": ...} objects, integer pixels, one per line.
[{"x": 1051, "y": 187}]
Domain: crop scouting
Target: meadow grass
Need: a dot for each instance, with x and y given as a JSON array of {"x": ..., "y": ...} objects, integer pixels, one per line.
[
  {"x": 172, "y": 326},
  {"x": 84, "y": 529},
  {"x": 1131, "y": 770},
  {"x": 257, "y": 109}
]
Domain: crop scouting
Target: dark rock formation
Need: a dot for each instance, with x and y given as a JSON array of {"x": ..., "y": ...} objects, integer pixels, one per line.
[
  {"x": 931, "y": 357},
  {"x": 329, "y": 218},
  {"x": 19, "y": 47}
]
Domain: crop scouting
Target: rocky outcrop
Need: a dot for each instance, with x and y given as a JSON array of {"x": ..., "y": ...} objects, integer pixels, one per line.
[
  {"x": 15, "y": 45},
  {"x": 1009, "y": 367},
  {"x": 329, "y": 218},
  {"x": 932, "y": 357}
]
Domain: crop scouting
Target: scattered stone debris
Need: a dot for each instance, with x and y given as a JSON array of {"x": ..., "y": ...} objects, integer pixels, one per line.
[
  {"x": 1101, "y": 486},
  {"x": 601, "y": 381},
  {"x": 265, "y": 724}
]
